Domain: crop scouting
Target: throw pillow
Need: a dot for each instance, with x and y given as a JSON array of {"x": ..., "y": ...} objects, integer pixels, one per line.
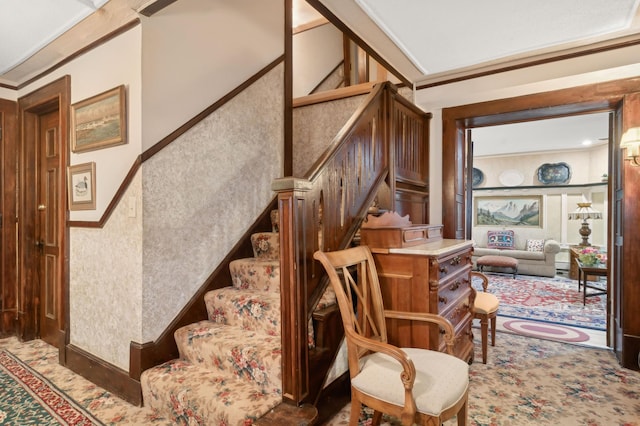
[
  {"x": 535, "y": 245},
  {"x": 500, "y": 239}
]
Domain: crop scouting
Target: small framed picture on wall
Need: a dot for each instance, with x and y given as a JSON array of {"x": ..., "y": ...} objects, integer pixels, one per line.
[{"x": 81, "y": 186}]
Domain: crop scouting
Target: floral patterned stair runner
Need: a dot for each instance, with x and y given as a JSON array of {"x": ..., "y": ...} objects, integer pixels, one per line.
[{"x": 229, "y": 371}]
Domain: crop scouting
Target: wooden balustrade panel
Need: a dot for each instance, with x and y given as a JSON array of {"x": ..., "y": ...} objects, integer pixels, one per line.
[
  {"x": 410, "y": 139},
  {"x": 344, "y": 189}
]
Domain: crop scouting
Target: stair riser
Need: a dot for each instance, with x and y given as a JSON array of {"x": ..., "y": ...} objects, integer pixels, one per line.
[
  {"x": 245, "y": 309},
  {"x": 247, "y": 355},
  {"x": 252, "y": 274},
  {"x": 189, "y": 395}
]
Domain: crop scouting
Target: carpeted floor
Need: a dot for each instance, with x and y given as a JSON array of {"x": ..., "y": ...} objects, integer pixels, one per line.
[
  {"x": 554, "y": 300},
  {"x": 530, "y": 381},
  {"x": 106, "y": 407}
]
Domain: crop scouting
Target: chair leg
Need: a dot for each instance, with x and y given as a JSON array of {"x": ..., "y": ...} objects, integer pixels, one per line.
[
  {"x": 484, "y": 324},
  {"x": 463, "y": 416},
  {"x": 377, "y": 417},
  {"x": 356, "y": 407},
  {"x": 493, "y": 330}
]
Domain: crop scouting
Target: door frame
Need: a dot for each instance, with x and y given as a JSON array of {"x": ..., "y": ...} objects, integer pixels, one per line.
[
  {"x": 599, "y": 97},
  {"x": 55, "y": 95}
]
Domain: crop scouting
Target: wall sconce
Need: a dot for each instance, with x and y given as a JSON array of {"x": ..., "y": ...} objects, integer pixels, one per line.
[{"x": 631, "y": 141}]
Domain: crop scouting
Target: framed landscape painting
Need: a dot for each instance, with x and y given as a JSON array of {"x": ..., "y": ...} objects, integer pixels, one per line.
[
  {"x": 100, "y": 121},
  {"x": 509, "y": 211}
]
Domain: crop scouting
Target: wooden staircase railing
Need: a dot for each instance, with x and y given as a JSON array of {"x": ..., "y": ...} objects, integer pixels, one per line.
[{"x": 325, "y": 210}]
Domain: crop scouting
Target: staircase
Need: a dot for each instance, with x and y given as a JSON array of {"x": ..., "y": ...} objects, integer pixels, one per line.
[{"x": 229, "y": 370}]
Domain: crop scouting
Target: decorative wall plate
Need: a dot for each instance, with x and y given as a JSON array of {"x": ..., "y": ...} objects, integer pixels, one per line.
[
  {"x": 477, "y": 178},
  {"x": 554, "y": 173},
  {"x": 511, "y": 177}
]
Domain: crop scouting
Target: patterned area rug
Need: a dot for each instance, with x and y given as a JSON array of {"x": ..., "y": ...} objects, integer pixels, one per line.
[
  {"x": 554, "y": 300},
  {"x": 27, "y": 398},
  {"x": 540, "y": 382}
]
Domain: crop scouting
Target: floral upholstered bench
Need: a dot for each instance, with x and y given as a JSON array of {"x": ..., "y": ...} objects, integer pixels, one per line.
[{"x": 498, "y": 262}]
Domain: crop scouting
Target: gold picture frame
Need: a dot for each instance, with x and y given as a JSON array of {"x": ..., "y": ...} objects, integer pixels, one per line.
[
  {"x": 81, "y": 186},
  {"x": 100, "y": 121}
]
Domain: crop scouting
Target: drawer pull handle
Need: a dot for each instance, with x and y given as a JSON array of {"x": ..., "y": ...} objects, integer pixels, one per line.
[
  {"x": 444, "y": 269},
  {"x": 455, "y": 260},
  {"x": 443, "y": 299},
  {"x": 455, "y": 286}
]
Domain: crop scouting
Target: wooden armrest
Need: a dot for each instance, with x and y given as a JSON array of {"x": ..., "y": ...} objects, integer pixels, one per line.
[
  {"x": 408, "y": 374},
  {"x": 427, "y": 317}
]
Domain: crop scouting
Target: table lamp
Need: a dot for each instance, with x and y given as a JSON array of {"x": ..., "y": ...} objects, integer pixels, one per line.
[{"x": 583, "y": 213}]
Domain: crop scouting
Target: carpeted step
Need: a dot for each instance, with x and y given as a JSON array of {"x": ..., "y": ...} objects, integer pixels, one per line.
[
  {"x": 256, "y": 274},
  {"x": 248, "y": 309},
  {"x": 191, "y": 395},
  {"x": 266, "y": 245},
  {"x": 247, "y": 355}
]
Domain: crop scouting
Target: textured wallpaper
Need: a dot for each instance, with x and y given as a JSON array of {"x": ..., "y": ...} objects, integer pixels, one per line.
[
  {"x": 315, "y": 126},
  {"x": 105, "y": 278},
  {"x": 202, "y": 192}
]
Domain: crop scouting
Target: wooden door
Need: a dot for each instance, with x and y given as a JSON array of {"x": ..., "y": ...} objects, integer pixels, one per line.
[{"x": 48, "y": 205}]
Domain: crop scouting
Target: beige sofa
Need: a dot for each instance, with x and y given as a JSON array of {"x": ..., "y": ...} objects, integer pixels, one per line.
[{"x": 542, "y": 263}]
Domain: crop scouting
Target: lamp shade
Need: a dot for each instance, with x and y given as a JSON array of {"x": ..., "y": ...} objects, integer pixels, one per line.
[
  {"x": 631, "y": 140},
  {"x": 585, "y": 212}
]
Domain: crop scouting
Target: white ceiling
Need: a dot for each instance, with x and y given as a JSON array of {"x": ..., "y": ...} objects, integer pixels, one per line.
[
  {"x": 567, "y": 133},
  {"x": 26, "y": 26}
]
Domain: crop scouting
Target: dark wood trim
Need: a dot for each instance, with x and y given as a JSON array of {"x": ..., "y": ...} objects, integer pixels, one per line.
[
  {"x": 598, "y": 97},
  {"x": 54, "y": 96},
  {"x": 8, "y": 204},
  {"x": 103, "y": 374},
  {"x": 532, "y": 63},
  {"x": 114, "y": 201},
  {"x": 146, "y": 355},
  {"x": 316, "y": 4},
  {"x": 163, "y": 143},
  {"x": 102, "y": 40},
  {"x": 155, "y": 7},
  {"x": 332, "y": 95}
]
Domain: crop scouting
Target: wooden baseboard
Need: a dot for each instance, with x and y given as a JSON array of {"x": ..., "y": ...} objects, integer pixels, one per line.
[{"x": 103, "y": 374}]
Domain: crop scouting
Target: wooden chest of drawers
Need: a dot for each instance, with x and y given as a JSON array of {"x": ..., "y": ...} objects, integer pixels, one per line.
[{"x": 433, "y": 277}]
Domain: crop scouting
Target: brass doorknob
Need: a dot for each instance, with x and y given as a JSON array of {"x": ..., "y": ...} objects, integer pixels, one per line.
[{"x": 42, "y": 207}]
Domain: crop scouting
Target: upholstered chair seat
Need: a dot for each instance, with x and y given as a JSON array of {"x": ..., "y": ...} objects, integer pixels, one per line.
[{"x": 485, "y": 308}]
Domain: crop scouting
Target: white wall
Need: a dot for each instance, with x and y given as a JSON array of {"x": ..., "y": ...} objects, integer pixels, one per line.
[
  {"x": 110, "y": 65},
  {"x": 196, "y": 51},
  {"x": 316, "y": 52},
  {"x": 622, "y": 63},
  {"x": 105, "y": 265}
]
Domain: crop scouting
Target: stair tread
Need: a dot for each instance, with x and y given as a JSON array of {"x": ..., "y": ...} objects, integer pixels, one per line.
[{"x": 204, "y": 396}]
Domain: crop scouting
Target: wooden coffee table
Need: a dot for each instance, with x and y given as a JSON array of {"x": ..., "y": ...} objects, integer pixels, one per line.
[{"x": 584, "y": 271}]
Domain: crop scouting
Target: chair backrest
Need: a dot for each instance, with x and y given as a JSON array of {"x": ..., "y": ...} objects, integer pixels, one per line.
[{"x": 353, "y": 276}]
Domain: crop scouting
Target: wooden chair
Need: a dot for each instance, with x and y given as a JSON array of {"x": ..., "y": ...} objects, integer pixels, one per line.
[
  {"x": 415, "y": 385},
  {"x": 485, "y": 308}
]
